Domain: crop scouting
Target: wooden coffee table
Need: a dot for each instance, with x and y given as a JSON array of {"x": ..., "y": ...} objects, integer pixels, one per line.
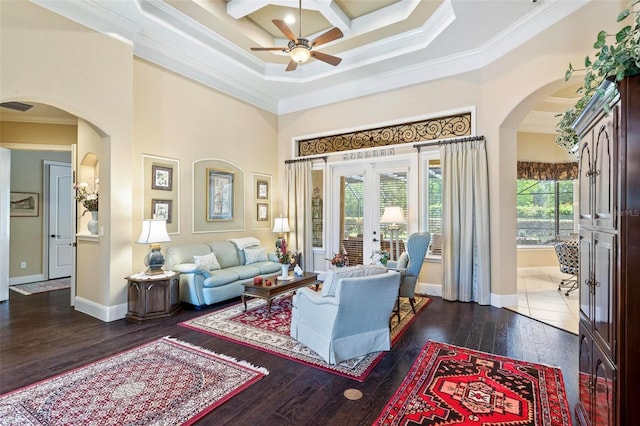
[{"x": 277, "y": 288}]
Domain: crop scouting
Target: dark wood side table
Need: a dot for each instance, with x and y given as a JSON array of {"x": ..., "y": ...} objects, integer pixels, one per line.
[{"x": 153, "y": 296}]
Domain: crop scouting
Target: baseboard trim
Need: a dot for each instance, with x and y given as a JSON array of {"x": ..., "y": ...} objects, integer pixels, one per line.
[
  {"x": 502, "y": 300},
  {"x": 101, "y": 312},
  {"x": 429, "y": 289},
  {"x": 26, "y": 279}
]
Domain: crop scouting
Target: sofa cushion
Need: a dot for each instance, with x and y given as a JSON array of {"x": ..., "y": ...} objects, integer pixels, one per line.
[
  {"x": 333, "y": 275},
  {"x": 220, "y": 277},
  {"x": 245, "y": 271},
  {"x": 267, "y": 267},
  {"x": 176, "y": 255},
  {"x": 253, "y": 255},
  {"x": 226, "y": 253},
  {"x": 206, "y": 263}
]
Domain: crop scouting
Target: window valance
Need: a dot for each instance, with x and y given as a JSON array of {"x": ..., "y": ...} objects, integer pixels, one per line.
[{"x": 547, "y": 171}]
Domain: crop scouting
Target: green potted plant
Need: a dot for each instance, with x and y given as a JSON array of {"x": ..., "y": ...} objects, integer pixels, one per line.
[{"x": 612, "y": 61}]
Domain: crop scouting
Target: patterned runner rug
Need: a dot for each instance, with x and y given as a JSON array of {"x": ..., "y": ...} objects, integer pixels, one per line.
[
  {"x": 165, "y": 382},
  {"x": 42, "y": 286},
  {"x": 450, "y": 385},
  {"x": 271, "y": 333}
]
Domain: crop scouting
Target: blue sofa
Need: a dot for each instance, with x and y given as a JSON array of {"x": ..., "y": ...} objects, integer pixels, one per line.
[{"x": 216, "y": 271}]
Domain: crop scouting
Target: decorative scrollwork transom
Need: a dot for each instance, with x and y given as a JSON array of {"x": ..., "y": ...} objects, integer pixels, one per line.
[{"x": 452, "y": 126}]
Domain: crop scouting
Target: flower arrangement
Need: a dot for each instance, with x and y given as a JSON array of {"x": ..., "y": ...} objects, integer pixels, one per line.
[
  {"x": 339, "y": 259},
  {"x": 380, "y": 256},
  {"x": 285, "y": 257},
  {"x": 87, "y": 195}
]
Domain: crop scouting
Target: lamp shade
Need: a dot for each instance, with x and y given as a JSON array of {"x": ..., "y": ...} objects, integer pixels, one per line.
[
  {"x": 281, "y": 225},
  {"x": 153, "y": 231},
  {"x": 392, "y": 214}
]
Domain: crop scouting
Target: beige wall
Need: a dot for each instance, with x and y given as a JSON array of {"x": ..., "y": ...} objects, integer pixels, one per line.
[
  {"x": 502, "y": 93},
  {"x": 179, "y": 119},
  {"x": 36, "y": 133},
  {"x": 541, "y": 147},
  {"x": 137, "y": 109},
  {"x": 49, "y": 59}
]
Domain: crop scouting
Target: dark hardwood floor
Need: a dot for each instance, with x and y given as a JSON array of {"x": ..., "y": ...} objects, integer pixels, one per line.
[{"x": 42, "y": 336}]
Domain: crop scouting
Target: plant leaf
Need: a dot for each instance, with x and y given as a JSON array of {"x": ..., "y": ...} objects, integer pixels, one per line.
[
  {"x": 623, "y": 15},
  {"x": 601, "y": 40}
]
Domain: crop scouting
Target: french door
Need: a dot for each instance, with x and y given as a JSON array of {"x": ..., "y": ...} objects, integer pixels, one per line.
[{"x": 359, "y": 193}]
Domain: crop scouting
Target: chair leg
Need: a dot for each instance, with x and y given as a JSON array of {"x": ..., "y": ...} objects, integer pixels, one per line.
[
  {"x": 398, "y": 307},
  {"x": 413, "y": 307}
]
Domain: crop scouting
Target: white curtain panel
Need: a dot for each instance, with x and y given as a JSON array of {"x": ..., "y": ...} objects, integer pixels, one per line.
[
  {"x": 466, "y": 258},
  {"x": 298, "y": 209}
]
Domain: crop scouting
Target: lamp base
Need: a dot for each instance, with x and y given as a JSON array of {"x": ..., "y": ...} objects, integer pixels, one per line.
[{"x": 154, "y": 260}]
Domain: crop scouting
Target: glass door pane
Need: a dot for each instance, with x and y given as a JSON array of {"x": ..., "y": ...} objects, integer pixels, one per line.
[{"x": 352, "y": 200}]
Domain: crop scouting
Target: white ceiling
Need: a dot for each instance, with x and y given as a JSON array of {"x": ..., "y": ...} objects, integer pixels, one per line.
[{"x": 387, "y": 43}]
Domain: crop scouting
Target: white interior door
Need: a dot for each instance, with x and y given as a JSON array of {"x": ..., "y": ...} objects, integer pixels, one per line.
[
  {"x": 359, "y": 194},
  {"x": 60, "y": 221}
]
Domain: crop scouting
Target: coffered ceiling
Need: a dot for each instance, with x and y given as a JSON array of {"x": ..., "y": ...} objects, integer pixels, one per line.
[{"x": 387, "y": 43}]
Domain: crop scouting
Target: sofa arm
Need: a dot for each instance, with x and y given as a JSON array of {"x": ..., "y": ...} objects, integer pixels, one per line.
[
  {"x": 191, "y": 285},
  {"x": 306, "y": 295}
]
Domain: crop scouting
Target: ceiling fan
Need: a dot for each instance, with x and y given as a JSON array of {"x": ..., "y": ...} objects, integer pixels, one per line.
[{"x": 300, "y": 49}]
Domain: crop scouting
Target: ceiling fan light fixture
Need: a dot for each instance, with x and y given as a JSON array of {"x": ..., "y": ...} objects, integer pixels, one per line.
[{"x": 300, "y": 54}]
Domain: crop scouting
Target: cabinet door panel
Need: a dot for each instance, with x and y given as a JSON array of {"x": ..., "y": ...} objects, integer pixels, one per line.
[
  {"x": 604, "y": 170},
  {"x": 585, "y": 376},
  {"x": 603, "y": 289},
  {"x": 603, "y": 390},
  {"x": 584, "y": 181},
  {"x": 584, "y": 276}
]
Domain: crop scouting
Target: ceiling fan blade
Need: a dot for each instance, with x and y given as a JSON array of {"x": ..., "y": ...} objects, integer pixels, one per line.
[
  {"x": 333, "y": 34},
  {"x": 282, "y": 26},
  {"x": 332, "y": 60},
  {"x": 292, "y": 65},
  {"x": 258, "y": 49}
]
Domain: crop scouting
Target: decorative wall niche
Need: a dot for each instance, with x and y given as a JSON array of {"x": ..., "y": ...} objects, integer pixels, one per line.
[{"x": 218, "y": 196}]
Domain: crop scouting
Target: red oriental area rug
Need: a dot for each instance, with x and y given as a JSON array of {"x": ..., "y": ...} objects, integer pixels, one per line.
[
  {"x": 162, "y": 382},
  {"x": 450, "y": 385},
  {"x": 258, "y": 330}
]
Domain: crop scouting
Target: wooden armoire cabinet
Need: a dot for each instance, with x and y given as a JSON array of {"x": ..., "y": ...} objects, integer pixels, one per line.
[{"x": 609, "y": 239}]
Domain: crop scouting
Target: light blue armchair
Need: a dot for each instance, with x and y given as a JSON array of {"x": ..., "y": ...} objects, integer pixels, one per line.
[
  {"x": 350, "y": 316},
  {"x": 410, "y": 264}
]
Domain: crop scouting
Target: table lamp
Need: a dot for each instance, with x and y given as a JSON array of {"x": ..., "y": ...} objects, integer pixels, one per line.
[
  {"x": 154, "y": 232},
  {"x": 393, "y": 215},
  {"x": 280, "y": 226}
]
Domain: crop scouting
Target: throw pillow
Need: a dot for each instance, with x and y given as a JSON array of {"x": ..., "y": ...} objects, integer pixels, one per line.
[
  {"x": 253, "y": 255},
  {"x": 333, "y": 275},
  {"x": 208, "y": 262},
  {"x": 403, "y": 261}
]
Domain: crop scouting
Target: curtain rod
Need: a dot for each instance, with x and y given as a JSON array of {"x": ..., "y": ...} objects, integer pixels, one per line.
[
  {"x": 298, "y": 160},
  {"x": 448, "y": 141}
]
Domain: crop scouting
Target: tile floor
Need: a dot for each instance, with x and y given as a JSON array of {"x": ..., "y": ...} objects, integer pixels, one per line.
[{"x": 539, "y": 298}]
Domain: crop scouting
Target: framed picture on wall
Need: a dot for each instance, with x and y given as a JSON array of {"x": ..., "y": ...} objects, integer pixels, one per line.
[
  {"x": 161, "y": 178},
  {"x": 24, "y": 204},
  {"x": 161, "y": 209},
  {"x": 263, "y": 212},
  {"x": 219, "y": 195},
  {"x": 263, "y": 189}
]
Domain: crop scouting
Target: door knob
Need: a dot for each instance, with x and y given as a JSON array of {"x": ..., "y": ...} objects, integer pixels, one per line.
[
  {"x": 375, "y": 240},
  {"x": 55, "y": 236}
]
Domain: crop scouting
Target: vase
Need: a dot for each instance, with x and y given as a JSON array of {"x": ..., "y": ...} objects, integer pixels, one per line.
[
  {"x": 285, "y": 270},
  {"x": 92, "y": 225}
]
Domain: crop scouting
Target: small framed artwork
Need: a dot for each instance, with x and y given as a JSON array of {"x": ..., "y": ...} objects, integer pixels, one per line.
[
  {"x": 219, "y": 195},
  {"x": 263, "y": 189},
  {"x": 263, "y": 212},
  {"x": 161, "y": 178},
  {"x": 25, "y": 204},
  {"x": 161, "y": 209}
]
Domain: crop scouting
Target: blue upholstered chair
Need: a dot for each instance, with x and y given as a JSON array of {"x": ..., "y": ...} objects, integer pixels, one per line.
[
  {"x": 350, "y": 316},
  {"x": 410, "y": 264}
]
